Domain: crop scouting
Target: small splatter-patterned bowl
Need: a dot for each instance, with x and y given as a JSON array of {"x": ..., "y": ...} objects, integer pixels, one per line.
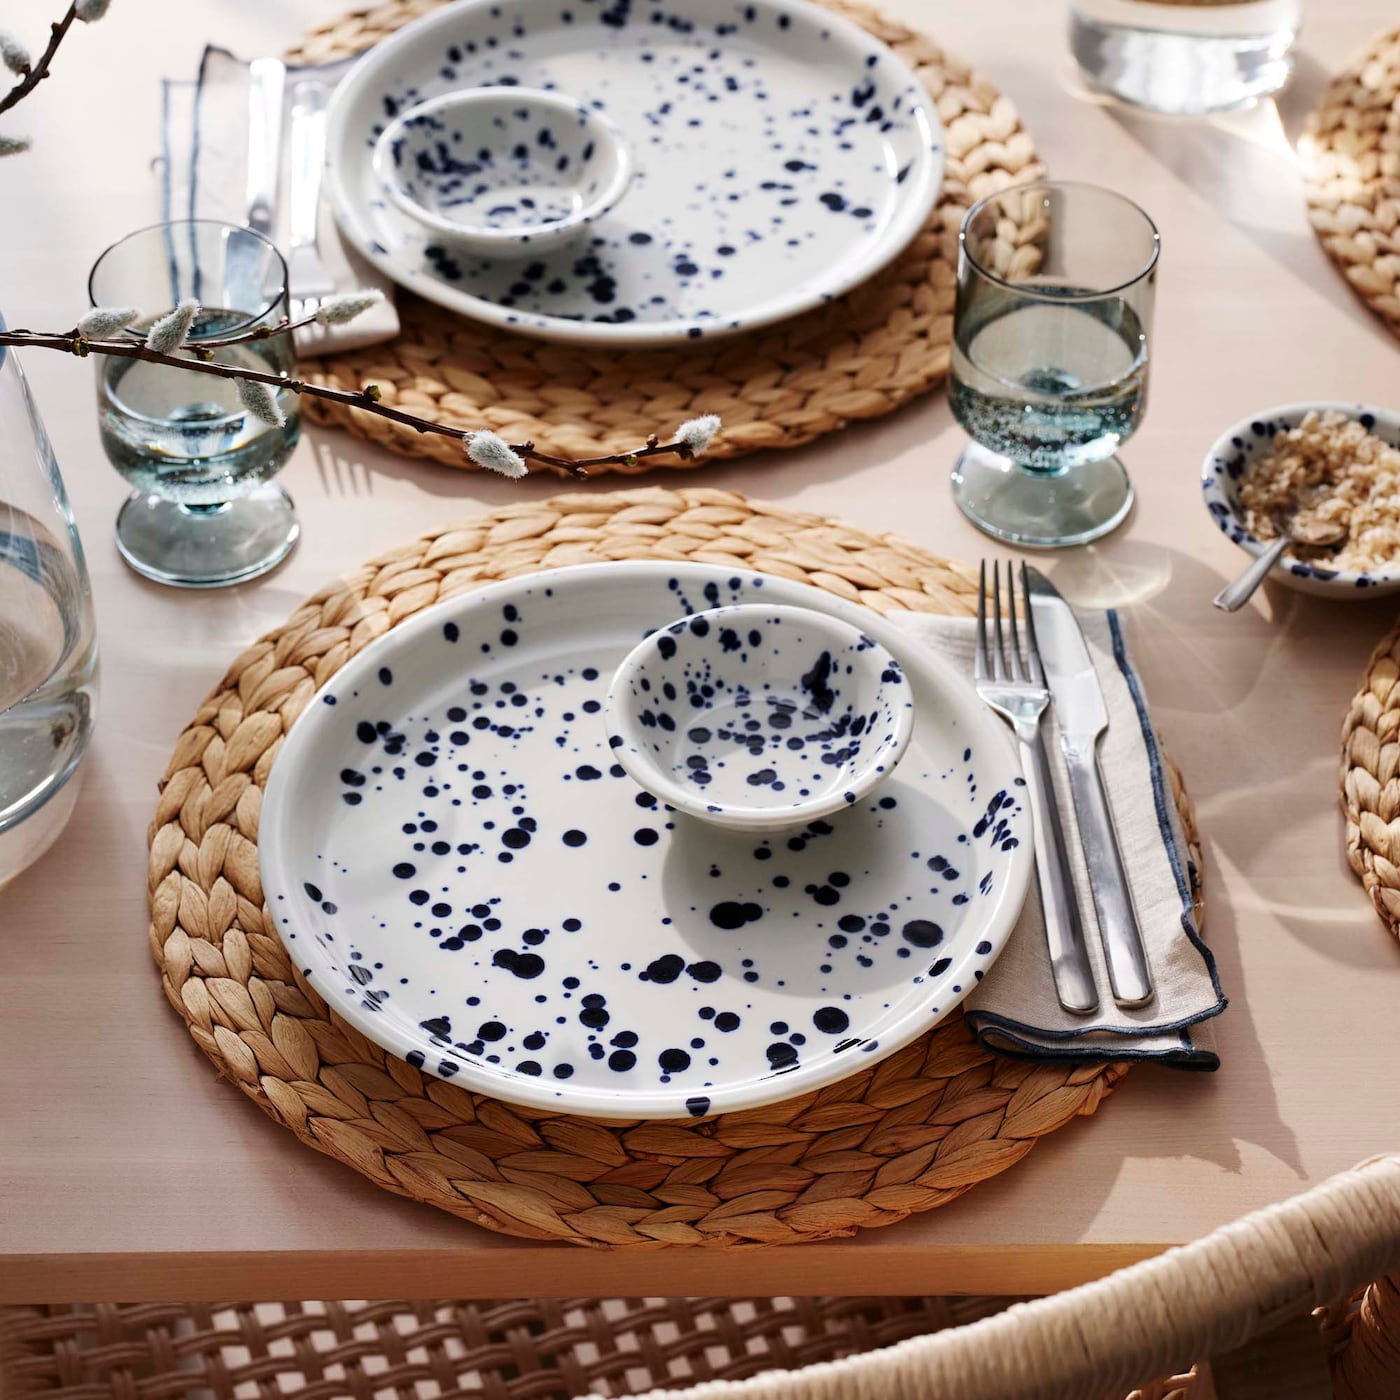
[
  {"x": 1228, "y": 462},
  {"x": 759, "y": 718},
  {"x": 504, "y": 171}
]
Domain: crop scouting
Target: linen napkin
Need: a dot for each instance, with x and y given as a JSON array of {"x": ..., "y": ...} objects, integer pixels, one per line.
[
  {"x": 1014, "y": 1010},
  {"x": 204, "y": 169}
]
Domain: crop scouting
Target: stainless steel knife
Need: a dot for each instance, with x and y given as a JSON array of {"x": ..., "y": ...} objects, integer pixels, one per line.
[
  {"x": 267, "y": 78},
  {"x": 1082, "y": 717}
]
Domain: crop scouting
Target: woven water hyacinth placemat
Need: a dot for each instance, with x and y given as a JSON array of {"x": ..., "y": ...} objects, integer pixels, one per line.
[
  {"x": 912, "y": 1133},
  {"x": 1351, "y": 155},
  {"x": 859, "y": 357},
  {"x": 1371, "y": 780}
]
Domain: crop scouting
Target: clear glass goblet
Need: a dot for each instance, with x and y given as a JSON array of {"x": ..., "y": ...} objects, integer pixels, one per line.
[
  {"x": 1050, "y": 359},
  {"x": 206, "y": 510}
]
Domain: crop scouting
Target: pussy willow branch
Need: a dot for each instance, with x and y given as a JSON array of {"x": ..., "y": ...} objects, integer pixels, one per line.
[
  {"x": 257, "y": 333},
  {"x": 366, "y": 398},
  {"x": 40, "y": 70}
]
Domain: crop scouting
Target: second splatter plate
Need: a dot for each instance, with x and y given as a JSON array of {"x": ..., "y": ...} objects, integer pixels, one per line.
[
  {"x": 782, "y": 156},
  {"x": 456, "y": 863}
]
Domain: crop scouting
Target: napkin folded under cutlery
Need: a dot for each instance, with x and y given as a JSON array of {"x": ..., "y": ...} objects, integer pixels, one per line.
[
  {"x": 204, "y": 170},
  {"x": 1015, "y": 1010}
]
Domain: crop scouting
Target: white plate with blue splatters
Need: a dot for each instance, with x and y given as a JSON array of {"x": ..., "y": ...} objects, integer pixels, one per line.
[
  {"x": 457, "y": 865},
  {"x": 783, "y": 155}
]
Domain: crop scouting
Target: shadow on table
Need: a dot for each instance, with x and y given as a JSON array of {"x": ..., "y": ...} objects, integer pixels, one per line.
[
  {"x": 1256, "y": 682},
  {"x": 1281, "y": 671},
  {"x": 1164, "y": 1114},
  {"x": 347, "y": 468},
  {"x": 1346, "y": 930},
  {"x": 1245, "y": 166},
  {"x": 1173, "y": 633}
]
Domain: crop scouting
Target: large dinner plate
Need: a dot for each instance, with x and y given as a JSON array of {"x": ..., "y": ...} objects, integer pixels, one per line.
[
  {"x": 457, "y": 865},
  {"x": 783, "y": 156}
]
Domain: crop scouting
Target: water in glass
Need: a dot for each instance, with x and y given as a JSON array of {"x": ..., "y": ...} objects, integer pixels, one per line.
[
  {"x": 1050, "y": 383},
  {"x": 48, "y": 650},
  {"x": 1185, "y": 57},
  {"x": 46, "y": 664},
  {"x": 206, "y": 510},
  {"x": 187, "y": 437},
  {"x": 1050, "y": 359}
]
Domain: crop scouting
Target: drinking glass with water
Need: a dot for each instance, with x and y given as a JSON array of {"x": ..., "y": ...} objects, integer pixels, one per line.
[
  {"x": 48, "y": 644},
  {"x": 206, "y": 509},
  {"x": 1186, "y": 57},
  {"x": 1050, "y": 359}
]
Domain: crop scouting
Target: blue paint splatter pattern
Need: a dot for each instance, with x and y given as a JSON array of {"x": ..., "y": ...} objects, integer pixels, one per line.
[
  {"x": 773, "y": 149},
  {"x": 751, "y": 715},
  {"x": 1229, "y": 462},
  {"x": 519, "y": 172},
  {"x": 463, "y": 869}
]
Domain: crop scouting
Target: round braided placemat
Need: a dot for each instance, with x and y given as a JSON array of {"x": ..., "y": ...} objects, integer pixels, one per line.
[
  {"x": 1351, "y": 153},
  {"x": 913, "y": 1132},
  {"x": 1371, "y": 780},
  {"x": 858, "y": 357}
]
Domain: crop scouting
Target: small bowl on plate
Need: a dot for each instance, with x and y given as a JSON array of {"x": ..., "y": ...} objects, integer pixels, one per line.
[
  {"x": 1228, "y": 463},
  {"x": 503, "y": 171},
  {"x": 759, "y": 718}
]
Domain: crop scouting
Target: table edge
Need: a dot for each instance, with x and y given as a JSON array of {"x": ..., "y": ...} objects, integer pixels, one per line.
[{"x": 555, "y": 1272}]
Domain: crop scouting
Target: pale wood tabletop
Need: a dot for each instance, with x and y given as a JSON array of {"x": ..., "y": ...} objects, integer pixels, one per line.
[{"x": 127, "y": 1171}]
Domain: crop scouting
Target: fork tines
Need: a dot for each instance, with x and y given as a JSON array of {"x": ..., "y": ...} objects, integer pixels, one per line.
[{"x": 1002, "y": 662}]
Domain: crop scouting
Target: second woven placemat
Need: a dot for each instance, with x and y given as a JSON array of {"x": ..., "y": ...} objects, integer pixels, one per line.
[
  {"x": 1371, "y": 780},
  {"x": 912, "y": 1133},
  {"x": 859, "y": 357},
  {"x": 1351, "y": 155}
]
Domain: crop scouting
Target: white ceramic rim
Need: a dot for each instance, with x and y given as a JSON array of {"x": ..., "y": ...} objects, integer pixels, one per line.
[
  {"x": 1232, "y": 526},
  {"x": 955, "y": 690},
  {"x": 503, "y": 239},
  {"x": 921, "y": 194},
  {"x": 619, "y": 712}
]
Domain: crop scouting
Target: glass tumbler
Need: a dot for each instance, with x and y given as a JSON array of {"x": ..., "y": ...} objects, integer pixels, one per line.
[
  {"x": 205, "y": 509},
  {"x": 1050, "y": 359},
  {"x": 1185, "y": 57}
]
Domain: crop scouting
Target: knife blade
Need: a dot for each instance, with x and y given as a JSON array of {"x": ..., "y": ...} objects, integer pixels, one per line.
[
  {"x": 248, "y": 278},
  {"x": 267, "y": 78},
  {"x": 1082, "y": 717}
]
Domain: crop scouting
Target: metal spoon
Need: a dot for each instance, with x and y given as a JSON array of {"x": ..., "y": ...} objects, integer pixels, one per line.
[{"x": 1300, "y": 529}]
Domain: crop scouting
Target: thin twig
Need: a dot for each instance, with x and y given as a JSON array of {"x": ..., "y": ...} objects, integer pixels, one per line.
[
  {"x": 365, "y": 398},
  {"x": 40, "y": 70},
  {"x": 282, "y": 327},
  {"x": 653, "y": 448},
  {"x": 198, "y": 358}
]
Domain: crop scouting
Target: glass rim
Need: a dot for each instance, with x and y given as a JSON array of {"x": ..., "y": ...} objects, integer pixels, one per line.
[
  {"x": 1027, "y": 289},
  {"x": 253, "y": 317}
]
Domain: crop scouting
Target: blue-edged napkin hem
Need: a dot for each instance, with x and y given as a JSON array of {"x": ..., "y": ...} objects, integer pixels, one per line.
[
  {"x": 1010, "y": 1038},
  {"x": 1187, "y": 1055}
]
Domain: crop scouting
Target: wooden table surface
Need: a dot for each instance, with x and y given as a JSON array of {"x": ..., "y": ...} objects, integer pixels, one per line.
[{"x": 127, "y": 1171}]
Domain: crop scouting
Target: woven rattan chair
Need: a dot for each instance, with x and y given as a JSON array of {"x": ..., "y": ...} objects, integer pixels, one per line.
[{"x": 1305, "y": 1257}]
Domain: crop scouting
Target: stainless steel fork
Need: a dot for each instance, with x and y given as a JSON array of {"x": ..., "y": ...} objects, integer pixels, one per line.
[{"x": 1013, "y": 684}]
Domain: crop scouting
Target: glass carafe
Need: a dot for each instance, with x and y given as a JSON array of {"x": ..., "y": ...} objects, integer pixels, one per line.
[
  {"x": 1185, "y": 57},
  {"x": 48, "y": 646}
]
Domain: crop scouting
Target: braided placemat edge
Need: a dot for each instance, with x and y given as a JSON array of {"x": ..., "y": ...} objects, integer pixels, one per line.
[
  {"x": 912, "y": 1133},
  {"x": 1351, "y": 161},
  {"x": 1370, "y": 781}
]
